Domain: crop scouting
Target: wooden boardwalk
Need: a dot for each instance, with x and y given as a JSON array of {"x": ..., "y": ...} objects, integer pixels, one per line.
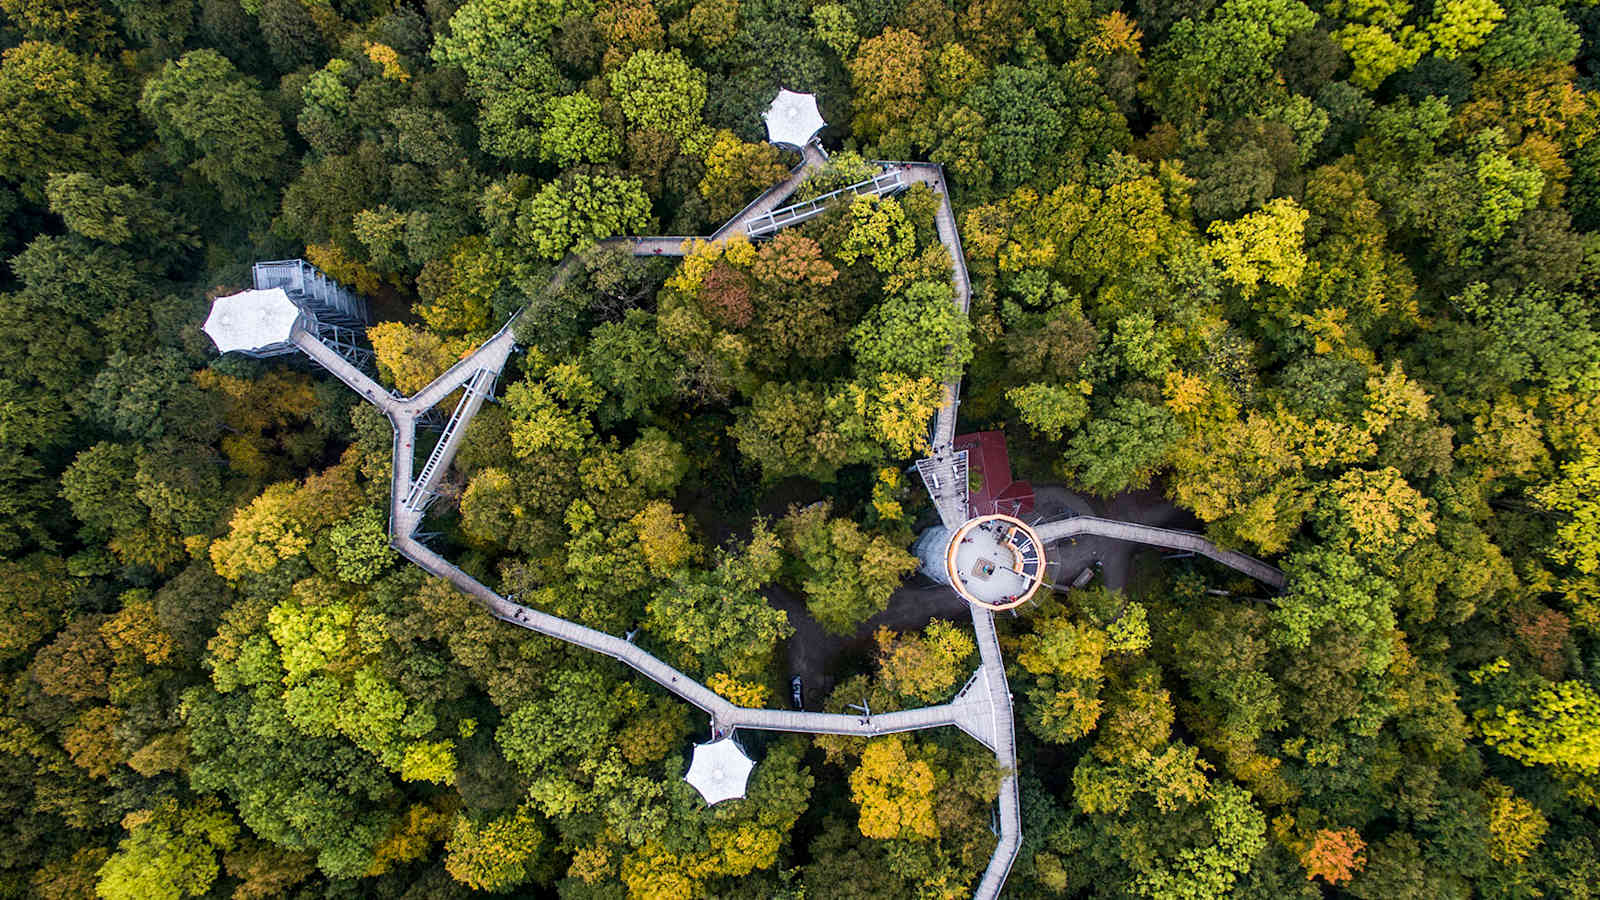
[
  {"x": 965, "y": 713},
  {"x": 982, "y": 708},
  {"x": 811, "y": 159},
  {"x": 1166, "y": 538}
]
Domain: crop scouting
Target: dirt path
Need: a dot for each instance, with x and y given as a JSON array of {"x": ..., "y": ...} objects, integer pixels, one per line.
[{"x": 816, "y": 655}]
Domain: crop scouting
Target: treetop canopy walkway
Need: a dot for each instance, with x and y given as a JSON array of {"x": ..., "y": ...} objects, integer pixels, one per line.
[{"x": 982, "y": 708}]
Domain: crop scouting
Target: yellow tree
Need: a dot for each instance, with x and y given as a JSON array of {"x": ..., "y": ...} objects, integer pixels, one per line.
[
  {"x": 458, "y": 290},
  {"x": 735, "y": 171},
  {"x": 410, "y": 357},
  {"x": 1515, "y": 826},
  {"x": 1267, "y": 245},
  {"x": 897, "y": 410},
  {"x": 1557, "y": 725},
  {"x": 493, "y": 855},
  {"x": 878, "y": 231},
  {"x": 1245, "y": 477},
  {"x": 261, "y": 535},
  {"x": 169, "y": 853},
  {"x": 894, "y": 792},
  {"x": 926, "y": 666},
  {"x": 1064, "y": 659},
  {"x": 1376, "y": 514},
  {"x": 664, "y": 538},
  {"x": 889, "y": 74}
]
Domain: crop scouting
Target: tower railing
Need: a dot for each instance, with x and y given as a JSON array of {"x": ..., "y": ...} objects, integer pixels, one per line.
[{"x": 311, "y": 289}]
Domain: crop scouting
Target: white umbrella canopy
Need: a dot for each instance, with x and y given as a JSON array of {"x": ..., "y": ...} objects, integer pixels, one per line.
[
  {"x": 251, "y": 319},
  {"x": 793, "y": 118},
  {"x": 719, "y": 771}
]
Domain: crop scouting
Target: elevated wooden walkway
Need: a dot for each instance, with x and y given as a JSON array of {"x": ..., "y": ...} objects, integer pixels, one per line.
[
  {"x": 1166, "y": 538},
  {"x": 982, "y": 708}
]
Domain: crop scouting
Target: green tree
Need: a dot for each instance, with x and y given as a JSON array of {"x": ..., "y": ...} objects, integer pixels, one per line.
[
  {"x": 660, "y": 90},
  {"x": 579, "y": 210},
  {"x": 1328, "y": 587},
  {"x": 67, "y": 113},
  {"x": 630, "y": 361},
  {"x": 502, "y": 46},
  {"x": 360, "y": 547},
  {"x": 918, "y": 332},
  {"x": 304, "y": 792},
  {"x": 847, "y": 575},
  {"x": 575, "y": 133},
  {"x": 217, "y": 123},
  {"x": 1224, "y": 60},
  {"x": 1531, "y": 34},
  {"x": 1022, "y": 111},
  {"x": 144, "y": 396},
  {"x": 170, "y": 852},
  {"x": 787, "y": 431},
  {"x": 112, "y": 213},
  {"x": 96, "y": 486},
  {"x": 1049, "y": 409},
  {"x": 1122, "y": 447},
  {"x": 718, "y": 619}
]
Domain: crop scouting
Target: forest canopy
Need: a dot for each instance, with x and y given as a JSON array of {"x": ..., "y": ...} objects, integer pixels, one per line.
[{"x": 1318, "y": 279}]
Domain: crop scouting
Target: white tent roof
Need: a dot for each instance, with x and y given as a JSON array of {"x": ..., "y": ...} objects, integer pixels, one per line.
[
  {"x": 793, "y": 118},
  {"x": 251, "y": 319},
  {"x": 719, "y": 771}
]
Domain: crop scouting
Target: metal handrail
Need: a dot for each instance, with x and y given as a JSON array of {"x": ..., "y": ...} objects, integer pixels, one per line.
[
  {"x": 420, "y": 486},
  {"x": 882, "y": 183}
]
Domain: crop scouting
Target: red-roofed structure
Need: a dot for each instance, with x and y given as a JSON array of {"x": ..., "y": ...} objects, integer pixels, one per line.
[{"x": 995, "y": 492}]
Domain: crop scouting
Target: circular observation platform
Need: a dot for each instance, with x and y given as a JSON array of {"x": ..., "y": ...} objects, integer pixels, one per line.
[{"x": 996, "y": 562}]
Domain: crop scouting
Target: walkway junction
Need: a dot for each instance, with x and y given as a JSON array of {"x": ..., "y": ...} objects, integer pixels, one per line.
[{"x": 993, "y": 561}]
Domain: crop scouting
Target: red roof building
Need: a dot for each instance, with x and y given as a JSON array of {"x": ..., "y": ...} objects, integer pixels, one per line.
[{"x": 993, "y": 490}]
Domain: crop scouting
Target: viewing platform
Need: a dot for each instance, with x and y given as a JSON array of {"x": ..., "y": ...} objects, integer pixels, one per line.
[{"x": 996, "y": 562}]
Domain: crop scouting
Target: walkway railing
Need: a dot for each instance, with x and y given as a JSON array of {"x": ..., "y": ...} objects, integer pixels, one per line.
[
  {"x": 982, "y": 709},
  {"x": 471, "y": 398},
  {"x": 1167, "y": 538},
  {"x": 778, "y": 219}
]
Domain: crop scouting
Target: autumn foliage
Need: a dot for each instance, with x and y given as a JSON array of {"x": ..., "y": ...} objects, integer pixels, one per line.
[{"x": 1334, "y": 855}]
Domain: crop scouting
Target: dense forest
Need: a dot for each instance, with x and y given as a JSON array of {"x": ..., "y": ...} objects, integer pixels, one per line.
[{"x": 1323, "y": 277}]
